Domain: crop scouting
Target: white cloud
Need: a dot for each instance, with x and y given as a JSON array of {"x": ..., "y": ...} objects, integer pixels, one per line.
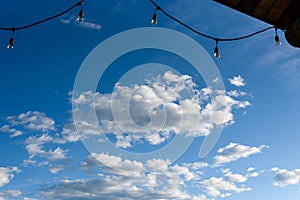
[
  {"x": 237, "y": 81},
  {"x": 26, "y": 198},
  {"x": 285, "y": 177},
  {"x": 236, "y": 93},
  {"x": 185, "y": 171},
  {"x": 235, "y": 178},
  {"x": 68, "y": 134},
  {"x": 165, "y": 182},
  {"x": 85, "y": 23},
  {"x": 196, "y": 165},
  {"x": 89, "y": 163},
  {"x": 34, "y": 145},
  {"x": 216, "y": 80},
  {"x": 37, "y": 122},
  {"x": 54, "y": 169},
  {"x": 57, "y": 154},
  {"x": 168, "y": 182},
  {"x": 90, "y": 25},
  {"x": 6, "y": 174},
  {"x": 168, "y": 104},
  {"x": 254, "y": 174},
  {"x": 250, "y": 169},
  {"x": 40, "y": 156},
  {"x": 235, "y": 151},
  {"x": 8, "y": 194},
  {"x": 14, "y": 132},
  {"x": 29, "y": 121},
  {"x": 41, "y": 145},
  {"x": 218, "y": 187},
  {"x": 156, "y": 164},
  {"x": 122, "y": 167},
  {"x": 33, "y": 121}
]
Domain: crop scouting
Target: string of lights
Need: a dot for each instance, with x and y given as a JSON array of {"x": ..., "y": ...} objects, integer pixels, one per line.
[
  {"x": 11, "y": 41},
  {"x": 154, "y": 20},
  {"x": 216, "y": 39}
]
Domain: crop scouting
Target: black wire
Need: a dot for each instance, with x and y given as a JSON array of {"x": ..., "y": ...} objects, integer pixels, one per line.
[
  {"x": 157, "y": 8},
  {"x": 43, "y": 20},
  {"x": 205, "y": 35}
]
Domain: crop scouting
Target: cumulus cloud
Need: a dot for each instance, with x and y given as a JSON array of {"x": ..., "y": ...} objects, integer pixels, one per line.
[
  {"x": 57, "y": 154},
  {"x": 135, "y": 182},
  {"x": 29, "y": 121},
  {"x": 37, "y": 123},
  {"x": 169, "y": 104},
  {"x": 240, "y": 178},
  {"x": 33, "y": 121},
  {"x": 9, "y": 194},
  {"x": 41, "y": 156},
  {"x": 68, "y": 135},
  {"x": 169, "y": 181},
  {"x": 285, "y": 177},
  {"x": 6, "y": 174},
  {"x": 235, "y": 178},
  {"x": 112, "y": 187},
  {"x": 218, "y": 187},
  {"x": 237, "y": 81},
  {"x": 42, "y": 132},
  {"x": 234, "y": 151}
]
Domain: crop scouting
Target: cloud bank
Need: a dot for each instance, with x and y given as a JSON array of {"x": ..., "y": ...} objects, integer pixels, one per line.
[{"x": 168, "y": 104}]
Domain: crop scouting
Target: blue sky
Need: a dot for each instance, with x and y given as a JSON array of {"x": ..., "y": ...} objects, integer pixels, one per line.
[{"x": 43, "y": 157}]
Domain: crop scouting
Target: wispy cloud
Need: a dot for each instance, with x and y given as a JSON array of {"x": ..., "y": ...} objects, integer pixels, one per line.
[
  {"x": 283, "y": 63},
  {"x": 85, "y": 23}
]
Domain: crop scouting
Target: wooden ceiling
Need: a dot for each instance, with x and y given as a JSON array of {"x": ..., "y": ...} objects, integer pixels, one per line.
[{"x": 281, "y": 13}]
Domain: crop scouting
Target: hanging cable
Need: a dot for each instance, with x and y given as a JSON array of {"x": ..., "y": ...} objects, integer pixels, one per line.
[
  {"x": 205, "y": 35},
  {"x": 44, "y": 20},
  {"x": 153, "y": 21}
]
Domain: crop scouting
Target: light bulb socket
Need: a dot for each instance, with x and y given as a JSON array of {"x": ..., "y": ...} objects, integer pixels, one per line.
[
  {"x": 217, "y": 53},
  {"x": 277, "y": 41},
  {"x": 154, "y": 18},
  {"x": 80, "y": 15},
  {"x": 11, "y": 43}
]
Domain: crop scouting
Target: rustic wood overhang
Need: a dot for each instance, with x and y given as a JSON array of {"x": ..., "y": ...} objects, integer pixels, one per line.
[{"x": 284, "y": 14}]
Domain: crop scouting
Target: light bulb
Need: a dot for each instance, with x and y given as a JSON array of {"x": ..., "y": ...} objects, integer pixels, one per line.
[
  {"x": 11, "y": 43},
  {"x": 217, "y": 53},
  {"x": 277, "y": 41},
  {"x": 154, "y": 19},
  {"x": 80, "y": 16}
]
